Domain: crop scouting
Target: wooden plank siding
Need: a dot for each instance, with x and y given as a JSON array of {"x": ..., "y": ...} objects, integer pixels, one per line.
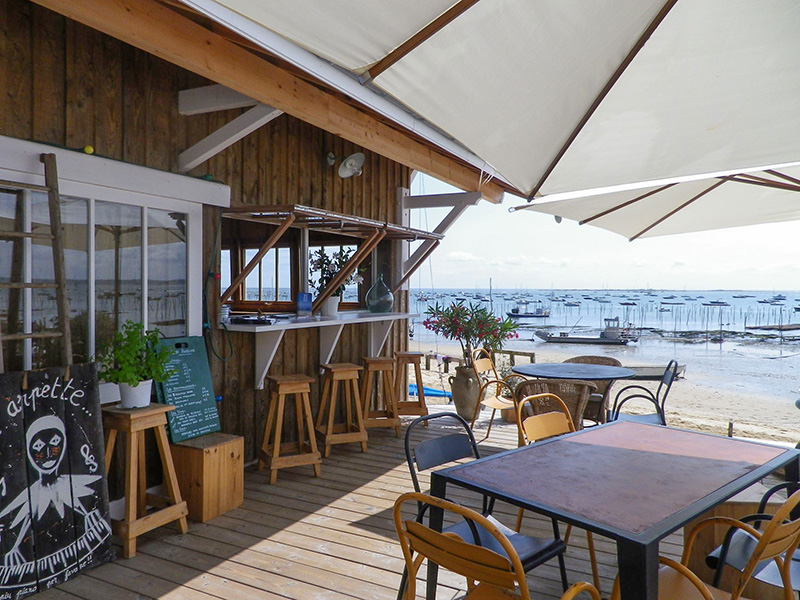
[
  {"x": 66, "y": 84},
  {"x": 307, "y": 538}
]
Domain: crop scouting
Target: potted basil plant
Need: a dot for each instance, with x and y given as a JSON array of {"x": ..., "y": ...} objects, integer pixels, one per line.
[{"x": 133, "y": 361}]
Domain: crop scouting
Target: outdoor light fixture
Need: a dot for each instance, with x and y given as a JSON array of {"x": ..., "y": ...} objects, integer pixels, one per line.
[{"x": 352, "y": 165}]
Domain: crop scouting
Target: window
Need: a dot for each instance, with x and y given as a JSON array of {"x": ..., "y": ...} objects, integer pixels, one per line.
[{"x": 132, "y": 249}]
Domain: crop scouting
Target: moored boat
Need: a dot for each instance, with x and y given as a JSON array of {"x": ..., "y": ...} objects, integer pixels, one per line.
[
  {"x": 612, "y": 334},
  {"x": 538, "y": 312}
]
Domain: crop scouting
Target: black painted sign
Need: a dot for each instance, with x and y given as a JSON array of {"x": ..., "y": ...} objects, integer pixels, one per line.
[
  {"x": 189, "y": 390},
  {"x": 53, "y": 496}
]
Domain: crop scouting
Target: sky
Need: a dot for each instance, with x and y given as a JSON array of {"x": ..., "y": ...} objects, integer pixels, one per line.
[{"x": 527, "y": 250}]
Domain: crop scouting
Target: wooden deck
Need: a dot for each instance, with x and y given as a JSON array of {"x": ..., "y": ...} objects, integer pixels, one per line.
[{"x": 311, "y": 539}]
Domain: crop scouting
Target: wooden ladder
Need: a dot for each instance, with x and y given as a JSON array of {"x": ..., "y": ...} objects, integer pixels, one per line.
[{"x": 60, "y": 273}]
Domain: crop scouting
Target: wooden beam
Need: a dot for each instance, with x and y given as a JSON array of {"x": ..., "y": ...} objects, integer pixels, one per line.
[
  {"x": 411, "y": 269},
  {"x": 211, "y": 98},
  {"x": 271, "y": 241},
  {"x": 418, "y": 38},
  {"x": 162, "y": 32},
  {"x": 441, "y": 200},
  {"x": 228, "y": 134}
]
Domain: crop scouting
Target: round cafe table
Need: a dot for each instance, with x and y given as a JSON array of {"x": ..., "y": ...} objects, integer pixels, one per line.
[{"x": 579, "y": 371}]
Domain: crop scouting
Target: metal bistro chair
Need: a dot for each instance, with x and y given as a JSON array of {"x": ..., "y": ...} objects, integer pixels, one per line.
[
  {"x": 738, "y": 545},
  {"x": 597, "y": 408},
  {"x": 639, "y": 392},
  {"x": 537, "y": 422},
  {"x": 494, "y": 573},
  {"x": 779, "y": 538},
  {"x": 492, "y": 388},
  {"x": 572, "y": 392},
  {"x": 430, "y": 453}
]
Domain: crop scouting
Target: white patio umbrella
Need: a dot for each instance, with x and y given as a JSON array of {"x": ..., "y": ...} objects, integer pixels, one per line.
[
  {"x": 726, "y": 200},
  {"x": 560, "y": 95}
]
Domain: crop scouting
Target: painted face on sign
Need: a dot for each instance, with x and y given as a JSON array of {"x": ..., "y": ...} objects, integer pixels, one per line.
[{"x": 46, "y": 443}]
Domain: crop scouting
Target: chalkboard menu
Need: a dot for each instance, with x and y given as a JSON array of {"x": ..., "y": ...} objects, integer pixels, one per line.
[
  {"x": 189, "y": 390},
  {"x": 53, "y": 496}
]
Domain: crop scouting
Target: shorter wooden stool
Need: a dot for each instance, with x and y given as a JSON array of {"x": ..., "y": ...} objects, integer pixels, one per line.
[
  {"x": 292, "y": 454},
  {"x": 133, "y": 422},
  {"x": 409, "y": 407},
  {"x": 382, "y": 369},
  {"x": 352, "y": 430}
]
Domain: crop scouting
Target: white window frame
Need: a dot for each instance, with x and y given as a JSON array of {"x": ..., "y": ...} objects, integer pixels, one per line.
[{"x": 94, "y": 178}]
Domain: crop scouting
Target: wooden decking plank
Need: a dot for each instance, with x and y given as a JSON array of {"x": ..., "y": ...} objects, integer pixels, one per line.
[{"x": 120, "y": 573}]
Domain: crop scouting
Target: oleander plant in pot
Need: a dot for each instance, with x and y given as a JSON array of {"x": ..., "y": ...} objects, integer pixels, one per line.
[
  {"x": 133, "y": 360},
  {"x": 473, "y": 326}
]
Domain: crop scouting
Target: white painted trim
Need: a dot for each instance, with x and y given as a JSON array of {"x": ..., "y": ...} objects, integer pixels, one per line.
[
  {"x": 228, "y": 134},
  {"x": 89, "y": 176},
  {"x": 335, "y": 77},
  {"x": 211, "y": 98},
  {"x": 442, "y": 200}
]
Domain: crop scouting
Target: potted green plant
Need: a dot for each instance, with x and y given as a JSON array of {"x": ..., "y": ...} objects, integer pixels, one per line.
[
  {"x": 324, "y": 267},
  {"x": 473, "y": 326},
  {"x": 133, "y": 360}
]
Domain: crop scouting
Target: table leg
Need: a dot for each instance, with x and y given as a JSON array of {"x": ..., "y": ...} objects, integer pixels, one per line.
[
  {"x": 436, "y": 520},
  {"x": 638, "y": 570}
]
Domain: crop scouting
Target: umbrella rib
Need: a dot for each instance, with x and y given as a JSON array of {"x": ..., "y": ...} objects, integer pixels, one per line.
[
  {"x": 680, "y": 208},
  {"x": 753, "y": 180},
  {"x": 783, "y": 176},
  {"x": 624, "y": 204},
  {"x": 604, "y": 92}
]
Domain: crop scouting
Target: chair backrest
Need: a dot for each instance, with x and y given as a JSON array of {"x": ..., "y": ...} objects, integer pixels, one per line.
[
  {"x": 453, "y": 553},
  {"x": 597, "y": 413},
  {"x": 543, "y": 423},
  {"x": 483, "y": 365},
  {"x": 670, "y": 374},
  {"x": 439, "y": 450},
  {"x": 573, "y": 393}
]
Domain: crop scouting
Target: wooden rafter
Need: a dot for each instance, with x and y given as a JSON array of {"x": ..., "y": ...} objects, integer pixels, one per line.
[
  {"x": 156, "y": 29},
  {"x": 417, "y": 39}
]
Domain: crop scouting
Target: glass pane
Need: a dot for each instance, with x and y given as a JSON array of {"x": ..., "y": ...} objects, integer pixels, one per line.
[
  {"x": 166, "y": 269},
  {"x": 251, "y": 291},
  {"x": 321, "y": 271},
  {"x": 74, "y": 218},
  {"x": 225, "y": 270},
  {"x": 285, "y": 275},
  {"x": 268, "y": 291},
  {"x": 11, "y": 271},
  {"x": 118, "y": 268}
]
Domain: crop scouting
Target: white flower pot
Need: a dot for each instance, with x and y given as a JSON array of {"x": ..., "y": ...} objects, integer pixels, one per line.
[
  {"x": 135, "y": 396},
  {"x": 330, "y": 308}
]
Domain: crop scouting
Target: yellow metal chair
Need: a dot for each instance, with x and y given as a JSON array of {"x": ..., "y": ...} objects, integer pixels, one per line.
[
  {"x": 495, "y": 392},
  {"x": 490, "y": 574},
  {"x": 540, "y": 417},
  {"x": 779, "y": 538}
]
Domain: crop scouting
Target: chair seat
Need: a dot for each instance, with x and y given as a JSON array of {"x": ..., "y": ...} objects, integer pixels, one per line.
[
  {"x": 497, "y": 402},
  {"x": 674, "y": 586},
  {"x": 650, "y": 418},
  {"x": 739, "y": 552},
  {"x": 532, "y": 550},
  {"x": 484, "y": 591}
]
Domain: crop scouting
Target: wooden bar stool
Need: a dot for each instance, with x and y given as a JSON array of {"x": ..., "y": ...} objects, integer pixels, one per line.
[
  {"x": 381, "y": 369},
  {"x": 133, "y": 422},
  {"x": 409, "y": 407},
  {"x": 302, "y": 452},
  {"x": 352, "y": 430}
]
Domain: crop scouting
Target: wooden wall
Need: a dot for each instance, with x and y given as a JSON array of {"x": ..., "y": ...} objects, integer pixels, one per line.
[{"x": 65, "y": 84}]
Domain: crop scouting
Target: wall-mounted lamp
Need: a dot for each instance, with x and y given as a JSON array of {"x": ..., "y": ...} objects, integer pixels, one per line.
[{"x": 352, "y": 165}]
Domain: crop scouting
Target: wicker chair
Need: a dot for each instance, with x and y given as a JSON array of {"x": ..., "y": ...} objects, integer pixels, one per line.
[
  {"x": 575, "y": 394},
  {"x": 597, "y": 408}
]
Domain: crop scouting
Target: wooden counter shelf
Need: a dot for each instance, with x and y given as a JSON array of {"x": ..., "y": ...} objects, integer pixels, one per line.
[{"x": 269, "y": 336}]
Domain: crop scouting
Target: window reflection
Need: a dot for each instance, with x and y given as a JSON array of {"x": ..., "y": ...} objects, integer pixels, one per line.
[
  {"x": 166, "y": 269},
  {"x": 12, "y": 262}
]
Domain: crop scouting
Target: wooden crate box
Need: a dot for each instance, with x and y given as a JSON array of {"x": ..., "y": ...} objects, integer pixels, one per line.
[{"x": 210, "y": 472}]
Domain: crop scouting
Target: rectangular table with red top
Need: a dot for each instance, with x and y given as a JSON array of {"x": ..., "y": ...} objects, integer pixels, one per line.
[{"x": 632, "y": 482}]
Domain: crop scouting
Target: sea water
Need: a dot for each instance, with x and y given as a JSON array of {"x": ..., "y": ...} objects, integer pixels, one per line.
[{"x": 709, "y": 331}]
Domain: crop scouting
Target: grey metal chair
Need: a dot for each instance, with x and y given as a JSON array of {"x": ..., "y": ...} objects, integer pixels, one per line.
[{"x": 639, "y": 392}]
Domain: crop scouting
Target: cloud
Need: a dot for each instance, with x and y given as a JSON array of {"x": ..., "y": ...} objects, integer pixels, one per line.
[{"x": 459, "y": 256}]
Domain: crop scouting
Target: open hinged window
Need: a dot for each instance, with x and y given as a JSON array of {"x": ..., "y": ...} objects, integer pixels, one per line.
[{"x": 267, "y": 250}]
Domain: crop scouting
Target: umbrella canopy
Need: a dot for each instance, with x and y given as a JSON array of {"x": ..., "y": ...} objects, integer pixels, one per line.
[
  {"x": 564, "y": 95},
  {"x": 726, "y": 200}
]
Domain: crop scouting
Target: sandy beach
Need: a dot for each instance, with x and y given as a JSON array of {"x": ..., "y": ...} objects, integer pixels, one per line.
[{"x": 696, "y": 401}]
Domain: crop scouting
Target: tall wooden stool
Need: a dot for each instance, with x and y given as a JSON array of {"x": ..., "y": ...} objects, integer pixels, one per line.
[
  {"x": 133, "y": 422},
  {"x": 409, "y": 407},
  {"x": 302, "y": 452},
  {"x": 352, "y": 430},
  {"x": 382, "y": 369}
]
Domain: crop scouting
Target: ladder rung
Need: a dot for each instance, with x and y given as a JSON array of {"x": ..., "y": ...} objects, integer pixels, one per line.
[
  {"x": 24, "y": 186},
  {"x": 21, "y": 286},
  {"x": 23, "y": 234},
  {"x": 8, "y": 337}
]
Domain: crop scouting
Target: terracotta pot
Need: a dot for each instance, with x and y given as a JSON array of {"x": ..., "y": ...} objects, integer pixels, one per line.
[{"x": 465, "y": 387}]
